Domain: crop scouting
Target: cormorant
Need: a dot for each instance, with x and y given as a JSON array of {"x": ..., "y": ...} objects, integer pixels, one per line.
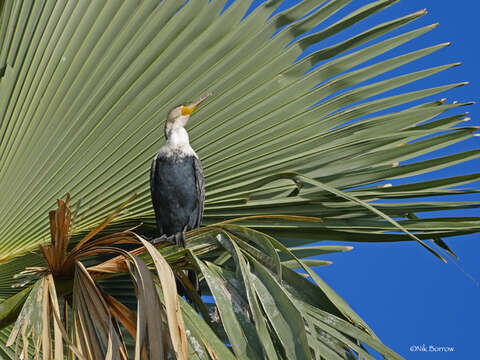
[{"x": 176, "y": 181}]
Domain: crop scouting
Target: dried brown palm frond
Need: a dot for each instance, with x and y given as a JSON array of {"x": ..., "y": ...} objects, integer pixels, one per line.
[{"x": 92, "y": 330}]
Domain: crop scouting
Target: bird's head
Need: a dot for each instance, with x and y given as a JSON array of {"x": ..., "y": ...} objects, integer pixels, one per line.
[{"x": 179, "y": 115}]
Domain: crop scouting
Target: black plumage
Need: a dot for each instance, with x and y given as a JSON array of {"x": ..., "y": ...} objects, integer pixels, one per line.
[{"x": 178, "y": 192}]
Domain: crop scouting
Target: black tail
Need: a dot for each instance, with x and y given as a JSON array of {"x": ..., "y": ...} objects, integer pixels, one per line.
[
  {"x": 179, "y": 240},
  {"x": 191, "y": 274}
]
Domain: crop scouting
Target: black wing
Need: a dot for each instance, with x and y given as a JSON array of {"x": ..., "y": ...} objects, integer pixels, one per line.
[
  {"x": 155, "y": 193},
  {"x": 200, "y": 189},
  {"x": 178, "y": 192},
  {"x": 178, "y": 195},
  {"x": 200, "y": 184}
]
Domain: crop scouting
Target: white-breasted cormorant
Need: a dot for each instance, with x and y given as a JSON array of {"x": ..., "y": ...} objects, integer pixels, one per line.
[{"x": 176, "y": 180}]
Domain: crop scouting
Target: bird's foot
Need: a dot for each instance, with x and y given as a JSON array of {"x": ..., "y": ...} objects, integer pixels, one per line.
[
  {"x": 182, "y": 238},
  {"x": 163, "y": 239}
]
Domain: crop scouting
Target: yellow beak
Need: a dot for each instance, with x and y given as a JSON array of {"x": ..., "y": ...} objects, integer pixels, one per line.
[{"x": 190, "y": 108}]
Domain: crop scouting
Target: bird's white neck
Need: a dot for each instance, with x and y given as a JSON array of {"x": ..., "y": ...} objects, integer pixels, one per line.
[{"x": 178, "y": 143}]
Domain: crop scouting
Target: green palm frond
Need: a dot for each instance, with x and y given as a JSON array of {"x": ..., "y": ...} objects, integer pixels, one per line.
[
  {"x": 111, "y": 71},
  {"x": 293, "y": 147}
]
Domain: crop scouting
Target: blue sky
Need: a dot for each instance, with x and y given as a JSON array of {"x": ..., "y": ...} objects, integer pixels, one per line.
[{"x": 406, "y": 295}]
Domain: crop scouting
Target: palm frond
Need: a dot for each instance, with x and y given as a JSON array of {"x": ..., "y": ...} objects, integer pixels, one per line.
[
  {"x": 111, "y": 71},
  {"x": 293, "y": 148}
]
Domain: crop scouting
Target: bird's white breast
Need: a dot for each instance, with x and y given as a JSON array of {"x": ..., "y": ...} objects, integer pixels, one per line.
[{"x": 178, "y": 144}]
